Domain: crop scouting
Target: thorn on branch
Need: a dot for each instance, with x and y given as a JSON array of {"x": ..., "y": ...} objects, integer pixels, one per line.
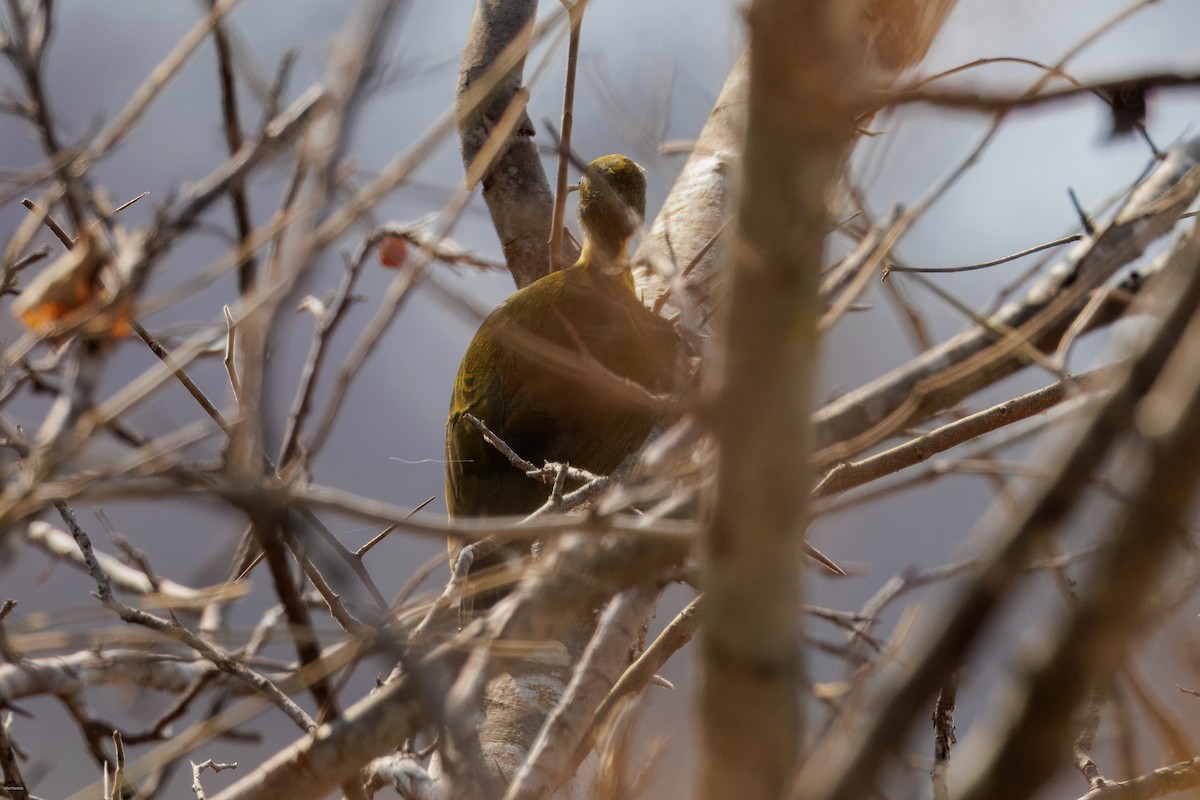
[
  {"x": 1089, "y": 227},
  {"x": 230, "y": 350}
]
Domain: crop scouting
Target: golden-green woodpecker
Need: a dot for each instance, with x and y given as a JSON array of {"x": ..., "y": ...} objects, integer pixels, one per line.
[{"x": 513, "y": 377}]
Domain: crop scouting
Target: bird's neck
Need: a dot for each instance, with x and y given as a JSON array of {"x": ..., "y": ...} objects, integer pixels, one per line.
[{"x": 605, "y": 258}]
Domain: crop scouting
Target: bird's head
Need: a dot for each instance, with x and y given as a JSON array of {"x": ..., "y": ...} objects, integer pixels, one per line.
[{"x": 612, "y": 203}]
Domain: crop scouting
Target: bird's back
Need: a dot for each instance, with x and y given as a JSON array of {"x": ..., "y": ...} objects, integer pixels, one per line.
[{"x": 531, "y": 376}]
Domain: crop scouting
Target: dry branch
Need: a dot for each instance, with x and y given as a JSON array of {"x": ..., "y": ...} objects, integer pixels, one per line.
[
  {"x": 800, "y": 122},
  {"x": 941, "y": 377},
  {"x": 515, "y": 188},
  {"x": 850, "y": 757}
]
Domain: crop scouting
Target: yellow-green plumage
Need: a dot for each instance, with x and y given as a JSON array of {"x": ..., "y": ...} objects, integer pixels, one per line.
[{"x": 511, "y": 381}]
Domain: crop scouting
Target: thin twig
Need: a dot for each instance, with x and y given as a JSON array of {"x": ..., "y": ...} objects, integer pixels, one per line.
[
  {"x": 980, "y": 101},
  {"x": 233, "y": 139},
  {"x": 546, "y": 473},
  {"x": 199, "y": 768},
  {"x": 639, "y": 674},
  {"x": 848, "y": 475},
  {"x": 575, "y": 10},
  {"x": 327, "y": 323},
  {"x": 1074, "y": 237},
  {"x": 366, "y": 548},
  {"x": 1081, "y": 748},
  {"x": 54, "y": 227},
  {"x": 220, "y": 659},
  {"x": 180, "y": 375}
]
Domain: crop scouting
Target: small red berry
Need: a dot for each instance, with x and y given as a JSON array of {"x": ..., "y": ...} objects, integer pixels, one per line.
[{"x": 393, "y": 251}]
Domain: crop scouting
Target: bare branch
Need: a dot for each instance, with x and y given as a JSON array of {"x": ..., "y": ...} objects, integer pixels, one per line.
[
  {"x": 515, "y": 186},
  {"x": 800, "y": 123},
  {"x": 846, "y": 762},
  {"x": 550, "y": 761},
  {"x": 941, "y": 377}
]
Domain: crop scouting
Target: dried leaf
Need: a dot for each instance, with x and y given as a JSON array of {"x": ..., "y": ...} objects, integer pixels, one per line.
[{"x": 77, "y": 287}]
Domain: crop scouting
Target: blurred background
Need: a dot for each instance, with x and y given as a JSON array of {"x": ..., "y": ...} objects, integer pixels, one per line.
[{"x": 649, "y": 73}]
